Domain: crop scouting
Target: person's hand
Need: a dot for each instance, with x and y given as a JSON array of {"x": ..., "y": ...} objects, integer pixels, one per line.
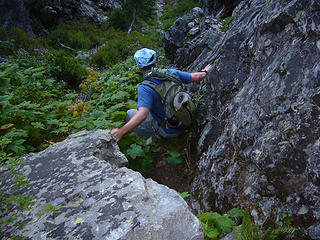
[
  {"x": 117, "y": 134},
  {"x": 207, "y": 68}
]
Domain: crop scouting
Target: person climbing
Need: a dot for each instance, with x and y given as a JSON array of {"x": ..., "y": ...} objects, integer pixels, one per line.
[{"x": 149, "y": 119}]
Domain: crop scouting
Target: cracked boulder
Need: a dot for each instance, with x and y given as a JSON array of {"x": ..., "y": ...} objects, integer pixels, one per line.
[{"x": 96, "y": 197}]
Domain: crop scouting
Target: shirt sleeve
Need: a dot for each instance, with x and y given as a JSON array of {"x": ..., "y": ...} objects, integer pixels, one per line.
[
  {"x": 185, "y": 77},
  {"x": 145, "y": 98}
]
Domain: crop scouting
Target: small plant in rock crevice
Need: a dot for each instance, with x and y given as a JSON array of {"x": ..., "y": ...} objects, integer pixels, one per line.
[{"x": 214, "y": 224}]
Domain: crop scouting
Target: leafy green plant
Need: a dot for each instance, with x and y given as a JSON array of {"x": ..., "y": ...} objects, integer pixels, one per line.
[
  {"x": 29, "y": 104},
  {"x": 285, "y": 218},
  {"x": 213, "y": 224},
  {"x": 48, "y": 208},
  {"x": 139, "y": 153},
  {"x": 174, "y": 158},
  {"x": 13, "y": 205},
  {"x": 184, "y": 194},
  {"x": 226, "y": 23}
]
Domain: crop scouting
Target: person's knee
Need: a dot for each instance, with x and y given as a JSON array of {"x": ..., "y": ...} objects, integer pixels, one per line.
[{"x": 130, "y": 114}]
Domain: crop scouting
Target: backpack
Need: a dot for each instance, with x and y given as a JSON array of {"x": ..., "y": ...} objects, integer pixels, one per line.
[{"x": 178, "y": 105}]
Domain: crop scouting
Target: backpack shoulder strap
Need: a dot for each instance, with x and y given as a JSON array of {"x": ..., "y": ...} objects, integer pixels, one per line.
[
  {"x": 155, "y": 87},
  {"x": 162, "y": 74}
]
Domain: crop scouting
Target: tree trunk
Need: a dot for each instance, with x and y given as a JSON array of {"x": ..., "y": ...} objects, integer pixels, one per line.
[{"x": 133, "y": 20}]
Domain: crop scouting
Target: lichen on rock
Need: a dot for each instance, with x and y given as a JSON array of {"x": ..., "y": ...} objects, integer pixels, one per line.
[
  {"x": 260, "y": 144},
  {"x": 97, "y": 197}
]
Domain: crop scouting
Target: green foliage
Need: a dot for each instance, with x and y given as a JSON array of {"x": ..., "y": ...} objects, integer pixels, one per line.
[
  {"x": 213, "y": 224},
  {"x": 184, "y": 194},
  {"x": 48, "y": 208},
  {"x": 13, "y": 39},
  {"x": 174, "y": 158},
  {"x": 250, "y": 231},
  {"x": 285, "y": 218},
  {"x": 29, "y": 100},
  {"x": 174, "y": 10},
  {"x": 120, "y": 45},
  {"x": 68, "y": 68},
  {"x": 121, "y": 18},
  {"x": 247, "y": 230},
  {"x": 13, "y": 205},
  {"x": 145, "y": 161},
  {"x": 226, "y": 23},
  {"x": 78, "y": 35},
  {"x": 235, "y": 212}
]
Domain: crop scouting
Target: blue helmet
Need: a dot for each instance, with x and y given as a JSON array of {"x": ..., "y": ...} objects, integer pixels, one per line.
[{"x": 145, "y": 57}]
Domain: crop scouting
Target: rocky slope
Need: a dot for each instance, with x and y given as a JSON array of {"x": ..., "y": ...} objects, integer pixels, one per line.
[{"x": 260, "y": 146}]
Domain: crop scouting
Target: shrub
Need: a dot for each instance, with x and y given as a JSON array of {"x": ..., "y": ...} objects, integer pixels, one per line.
[
  {"x": 13, "y": 39},
  {"x": 121, "y": 18},
  {"x": 68, "y": 68},
  {"x": 120, "y": 45},
  {"x": 78, "y": 35}
]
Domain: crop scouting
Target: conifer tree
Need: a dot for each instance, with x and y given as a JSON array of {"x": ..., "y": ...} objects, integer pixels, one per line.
[{"x": 125, "y": 17}]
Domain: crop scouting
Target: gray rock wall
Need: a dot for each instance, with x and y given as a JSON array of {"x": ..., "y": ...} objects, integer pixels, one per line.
[
  {"x": 98, "y": 198},
  {"x": 260, "y": 144},
  {"x": 13, "y": 14},
  {"x": 52, "y": 12}
]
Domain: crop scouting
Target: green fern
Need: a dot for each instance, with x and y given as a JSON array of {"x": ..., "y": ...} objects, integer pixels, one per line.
[{"x": 250, "y": 231}]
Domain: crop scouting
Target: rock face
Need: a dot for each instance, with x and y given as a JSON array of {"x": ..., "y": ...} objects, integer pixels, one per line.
[
  {"x": 13, "y": 14},
  {"x": 175, "y": 36},
  {"x": 51, "y": 12},
  {"x": 260, "y": 147},
  {"x": 222, "y": 8},
  {"x": 98, "y": 198}
]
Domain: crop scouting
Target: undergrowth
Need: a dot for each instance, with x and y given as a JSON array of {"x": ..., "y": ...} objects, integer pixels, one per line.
[{"x": 215, "y": 224}]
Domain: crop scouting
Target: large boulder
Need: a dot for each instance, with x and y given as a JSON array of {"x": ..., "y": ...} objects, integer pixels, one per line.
[
  {"x": 260, "y": 147},
  {"x": 96, "y": 197},
  {"x": 13, "y": 14}
]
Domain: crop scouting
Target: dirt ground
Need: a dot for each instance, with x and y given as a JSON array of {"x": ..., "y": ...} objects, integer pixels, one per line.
[
  {"x": 177, "y": 177},
  {"x": 169, "y": 175}
]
